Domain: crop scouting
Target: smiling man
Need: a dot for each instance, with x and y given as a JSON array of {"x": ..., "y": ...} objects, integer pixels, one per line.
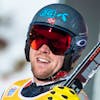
[{"x": 55, "y": 40}]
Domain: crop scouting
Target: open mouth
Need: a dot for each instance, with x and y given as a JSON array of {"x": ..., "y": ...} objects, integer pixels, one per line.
[{"x": 43, "y": 60}]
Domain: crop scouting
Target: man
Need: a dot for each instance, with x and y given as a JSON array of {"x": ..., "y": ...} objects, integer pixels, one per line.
[{"x": 55, "y": 40}]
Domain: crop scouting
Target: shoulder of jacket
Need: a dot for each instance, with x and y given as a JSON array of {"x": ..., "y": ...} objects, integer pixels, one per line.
[
  {"x": 16, "y": 85},
  {"x": 21, "y": 82}
]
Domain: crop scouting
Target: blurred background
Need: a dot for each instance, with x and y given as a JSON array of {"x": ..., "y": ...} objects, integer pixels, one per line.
[{"x": 15, "y": 16}]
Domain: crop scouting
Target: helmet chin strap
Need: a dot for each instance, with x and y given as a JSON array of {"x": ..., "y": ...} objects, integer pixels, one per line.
[{"x": 56, "y": 76}]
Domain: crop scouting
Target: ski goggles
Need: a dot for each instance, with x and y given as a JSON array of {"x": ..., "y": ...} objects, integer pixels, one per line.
[{"x": 57, "y": 40}]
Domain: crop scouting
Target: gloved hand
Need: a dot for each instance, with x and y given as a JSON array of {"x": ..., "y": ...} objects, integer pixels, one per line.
[{"x": 59, "y": 93}]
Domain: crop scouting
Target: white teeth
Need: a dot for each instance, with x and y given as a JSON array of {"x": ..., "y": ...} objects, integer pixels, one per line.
[{"x": 43, "y": 60}]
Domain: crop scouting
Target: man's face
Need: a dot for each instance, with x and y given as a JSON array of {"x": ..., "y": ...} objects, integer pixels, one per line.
[{"x": 44, "y": 63}]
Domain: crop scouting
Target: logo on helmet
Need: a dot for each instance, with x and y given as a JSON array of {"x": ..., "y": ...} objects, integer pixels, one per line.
[
  {"x": 63, "y": 16},
  {"x": 51, "y": 21},
  {"x": 81, "y": 43},
  {"x": 52, "y": 13}
]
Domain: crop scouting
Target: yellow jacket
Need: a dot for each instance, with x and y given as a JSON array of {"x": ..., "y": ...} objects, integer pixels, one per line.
[{"x": 14, "y": 92}]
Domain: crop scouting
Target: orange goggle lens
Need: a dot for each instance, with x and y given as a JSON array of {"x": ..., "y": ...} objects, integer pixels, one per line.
[{"x": 57, "y": 41}]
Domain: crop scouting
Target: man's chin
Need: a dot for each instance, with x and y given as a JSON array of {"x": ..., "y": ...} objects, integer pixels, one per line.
[{"x": 41, "y": 77}]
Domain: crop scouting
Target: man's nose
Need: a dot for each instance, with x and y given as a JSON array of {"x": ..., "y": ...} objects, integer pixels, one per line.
[{"x": 44, "y": 49}]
